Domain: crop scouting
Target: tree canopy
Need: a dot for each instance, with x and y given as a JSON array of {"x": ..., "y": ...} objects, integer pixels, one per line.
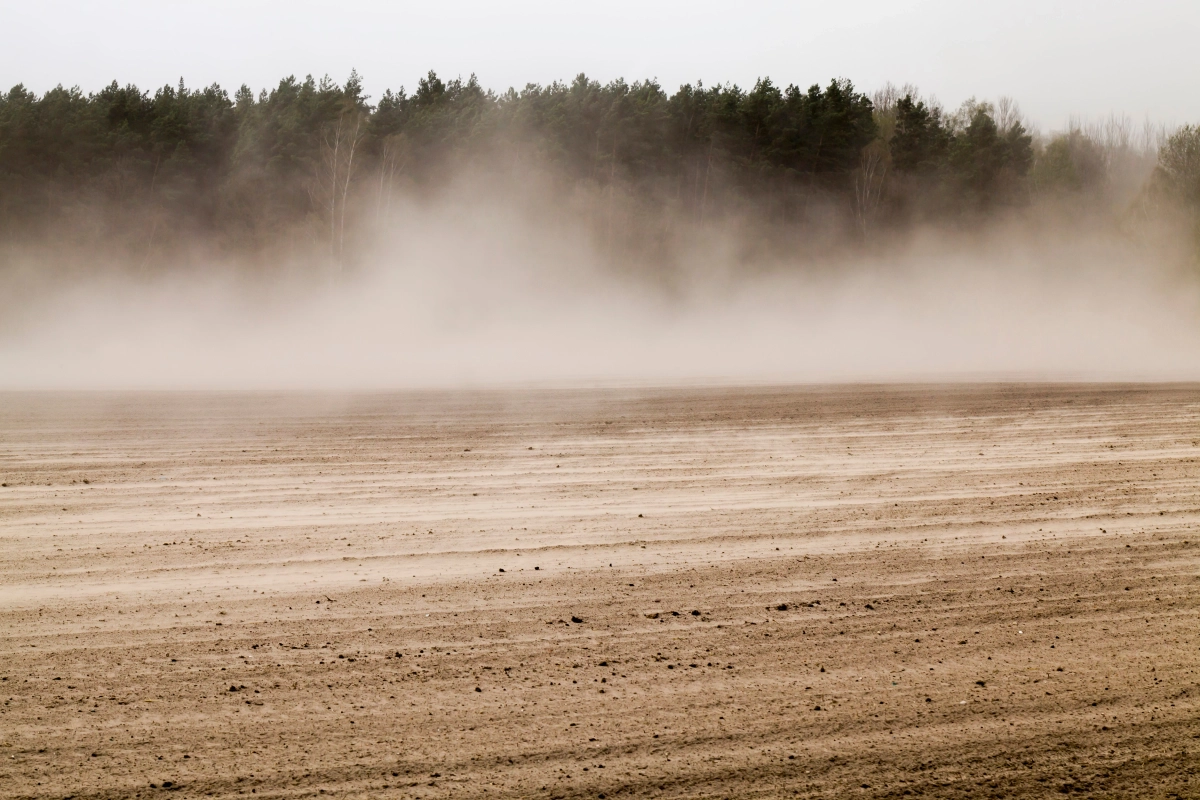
[{"x": 248, "y": 167}]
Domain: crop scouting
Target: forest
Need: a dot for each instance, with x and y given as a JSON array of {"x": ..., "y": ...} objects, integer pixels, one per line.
[{"x": 315, "y": 166}]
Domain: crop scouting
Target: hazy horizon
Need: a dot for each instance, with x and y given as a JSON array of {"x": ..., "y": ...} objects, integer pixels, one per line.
[
  {"x": 497, "y": 301},
  {"x": 325, "y": 235},
  {"x": 1060, "y": 61}
]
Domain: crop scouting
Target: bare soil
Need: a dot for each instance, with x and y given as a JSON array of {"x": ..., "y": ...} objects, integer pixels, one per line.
[{"x": 976, "y": 591}]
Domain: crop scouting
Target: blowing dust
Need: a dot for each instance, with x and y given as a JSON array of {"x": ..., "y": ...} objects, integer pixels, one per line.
[{"x": 473, "y": 294}]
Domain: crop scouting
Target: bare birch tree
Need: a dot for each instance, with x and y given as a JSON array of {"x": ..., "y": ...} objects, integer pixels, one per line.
[
  {"x": 393, "y": 158},
  {"x": 335, "y": 172},
  {"x": 868, "y": 183},
  {"x": 1008, "y": 114}
]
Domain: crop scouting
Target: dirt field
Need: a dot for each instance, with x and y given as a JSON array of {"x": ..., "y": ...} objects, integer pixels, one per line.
[{"x": 843, "y": 592}]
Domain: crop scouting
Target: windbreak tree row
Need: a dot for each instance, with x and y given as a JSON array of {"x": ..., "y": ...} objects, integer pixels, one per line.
[{"x": 319, "y": 157}]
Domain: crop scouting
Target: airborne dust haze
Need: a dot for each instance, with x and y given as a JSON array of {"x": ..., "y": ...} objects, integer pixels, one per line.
[
  {"x": 581, "y": 233},
  {"x": 471, "y": 291}
]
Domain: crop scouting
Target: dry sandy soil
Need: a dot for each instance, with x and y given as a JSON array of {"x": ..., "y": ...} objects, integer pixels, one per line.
[{"x": 986, "y": 591}]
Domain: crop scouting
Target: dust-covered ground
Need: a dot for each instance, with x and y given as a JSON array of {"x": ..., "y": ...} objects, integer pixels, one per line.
[{"x": 987, "y": 591}]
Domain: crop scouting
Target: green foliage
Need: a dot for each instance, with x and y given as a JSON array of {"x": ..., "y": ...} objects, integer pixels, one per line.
[
  {"x": 1176, "y": 179},
  {"x": 252, "y": 165},
  {"x": 920, "y": 141},
  {"x": 1179, "y": 165},
  {"x": 987, "y": 161},
  {"x": 1070, "y": 162}
]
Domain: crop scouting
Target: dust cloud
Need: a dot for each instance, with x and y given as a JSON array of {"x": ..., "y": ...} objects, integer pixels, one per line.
[{"x": 461, "y": 293}]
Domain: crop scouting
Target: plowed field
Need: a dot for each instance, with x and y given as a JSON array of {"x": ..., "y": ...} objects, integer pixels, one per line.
[{"x": 975, "y": 591}]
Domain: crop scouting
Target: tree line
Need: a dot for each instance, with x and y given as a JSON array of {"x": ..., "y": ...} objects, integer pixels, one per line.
[{"x": 316, "y": 156}]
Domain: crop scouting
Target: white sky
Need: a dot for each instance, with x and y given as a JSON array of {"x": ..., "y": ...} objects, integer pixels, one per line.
[{"x": 1056, "y": 57}]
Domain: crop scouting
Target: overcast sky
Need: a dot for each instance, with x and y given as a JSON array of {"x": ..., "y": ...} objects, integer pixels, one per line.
[{"x": 1057, "y": 58}]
